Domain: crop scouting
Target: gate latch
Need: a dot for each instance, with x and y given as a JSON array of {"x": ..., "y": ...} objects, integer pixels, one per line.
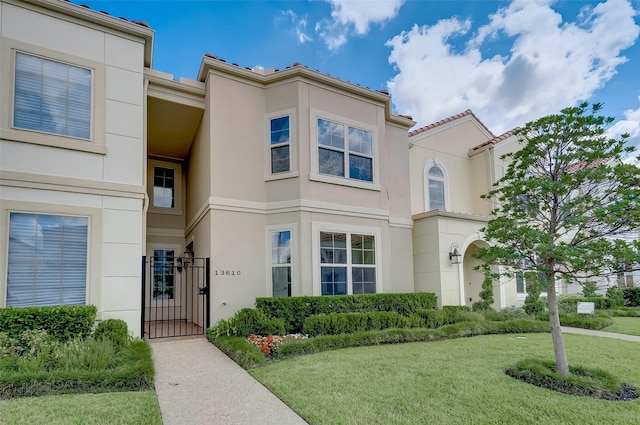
[{"x": 202, "y": 291}]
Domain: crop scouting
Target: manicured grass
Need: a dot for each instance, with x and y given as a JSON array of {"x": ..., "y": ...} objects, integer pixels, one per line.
[
  {"x": 624, "y": 325},
  {"x": 458, "y": 381},
  {"x": 130, "y": 408}
]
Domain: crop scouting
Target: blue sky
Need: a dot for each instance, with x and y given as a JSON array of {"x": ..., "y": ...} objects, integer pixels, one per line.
[{"x": 508, "y": 61}]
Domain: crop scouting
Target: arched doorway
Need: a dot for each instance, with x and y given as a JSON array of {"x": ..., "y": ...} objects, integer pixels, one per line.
[{"x": 473, "y": 278}]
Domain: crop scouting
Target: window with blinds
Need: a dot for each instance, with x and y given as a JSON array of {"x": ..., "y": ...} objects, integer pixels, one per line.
[
  {"x": 47, "y": 260},
  {"x": 52, "y": 97}
]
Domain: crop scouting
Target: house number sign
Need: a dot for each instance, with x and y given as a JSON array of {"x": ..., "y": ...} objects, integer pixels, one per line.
[{"x": 226, "y": 272}]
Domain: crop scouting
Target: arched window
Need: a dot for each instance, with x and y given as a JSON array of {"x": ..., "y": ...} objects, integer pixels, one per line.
[{"x": 436, "y": 189}]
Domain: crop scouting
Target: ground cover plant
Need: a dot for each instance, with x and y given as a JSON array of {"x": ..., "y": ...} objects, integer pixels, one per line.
[
  {"x": 33, "y": 363},
  {"x": 118, "y": 408},
  {"x": 457, "y": 381}
]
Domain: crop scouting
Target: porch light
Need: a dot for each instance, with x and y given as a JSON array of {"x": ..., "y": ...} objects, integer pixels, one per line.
[{"x": 454, "y": 256}]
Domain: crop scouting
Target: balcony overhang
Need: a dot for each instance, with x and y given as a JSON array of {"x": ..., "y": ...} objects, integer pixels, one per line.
[{"x": 174, "y": 113}]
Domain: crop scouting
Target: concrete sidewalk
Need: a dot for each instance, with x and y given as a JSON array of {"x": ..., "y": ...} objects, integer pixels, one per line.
[
  {"x": 566, "y": 329},
  {"x": 197, "y": 384}
]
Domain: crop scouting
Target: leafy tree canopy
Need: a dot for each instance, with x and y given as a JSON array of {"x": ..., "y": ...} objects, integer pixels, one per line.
[{"x": 567, "y": 202}]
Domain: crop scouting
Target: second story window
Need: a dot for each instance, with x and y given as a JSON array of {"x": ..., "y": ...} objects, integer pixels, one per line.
[
  {"x": 164, "y": 187},
  {"x": 280, "y": 145},
  {"x": 436, "y": 188},
  {"x": 52, "y": 97},
  {"x": 344, "y": 151}
]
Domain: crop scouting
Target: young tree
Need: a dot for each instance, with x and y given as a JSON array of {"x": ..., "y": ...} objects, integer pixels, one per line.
[{"x": 563, "y": 205}]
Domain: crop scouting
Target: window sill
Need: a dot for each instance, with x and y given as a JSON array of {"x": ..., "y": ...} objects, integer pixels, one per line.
[
  {"x": 282, "y": 176},
  {"x": 343, "y": 181},
  {"x": 45, "y": 139}
]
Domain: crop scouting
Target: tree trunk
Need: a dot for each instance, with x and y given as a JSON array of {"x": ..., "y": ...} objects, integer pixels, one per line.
[{"x": 562, "y": 365}]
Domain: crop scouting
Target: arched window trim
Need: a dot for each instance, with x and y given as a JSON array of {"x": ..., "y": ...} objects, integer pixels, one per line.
[{"x": 426, "y": 177}]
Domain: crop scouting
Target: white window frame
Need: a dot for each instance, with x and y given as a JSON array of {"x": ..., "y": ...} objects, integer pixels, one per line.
[
  {"x": 95, "y": 144},
  {"x": 315, "y": 174},
  {"x": 88, "y": 276},
  {"x": 177, "y": 289},
  {"x": 524, "y": 264},
  {"x": 177, "y": 190},
  {"x": 445, "y": 180},
  {"x": 317, "y": 227},
  {"x": 293, "y": 145},
  {"x": 269, "y": 230}
]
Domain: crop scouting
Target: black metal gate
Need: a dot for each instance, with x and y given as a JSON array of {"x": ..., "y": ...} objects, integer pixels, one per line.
[{"x": 175, "y": 296}]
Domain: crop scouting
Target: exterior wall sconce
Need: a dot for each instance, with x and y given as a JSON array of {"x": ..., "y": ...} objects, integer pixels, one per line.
[{"x": 454, "y": 256}]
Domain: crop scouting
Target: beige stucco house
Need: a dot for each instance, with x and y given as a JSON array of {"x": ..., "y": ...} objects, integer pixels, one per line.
[
  {"x": 452, "y": 163},
  {"x": 289, "y": 182}
]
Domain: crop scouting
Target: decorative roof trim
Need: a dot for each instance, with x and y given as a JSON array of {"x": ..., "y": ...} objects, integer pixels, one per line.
[
  {"x": 467, "y": 113},
  {"x": 269, "y": 76}
]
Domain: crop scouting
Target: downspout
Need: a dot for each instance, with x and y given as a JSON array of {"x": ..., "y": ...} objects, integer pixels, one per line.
[{"x": 145, "y": 201}]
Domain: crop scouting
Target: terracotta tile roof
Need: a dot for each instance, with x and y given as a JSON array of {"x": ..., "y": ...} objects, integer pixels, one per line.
[
  {"x": 496, "y": 140},
  {"x": 468, "y": 112},
  {"x": 141, "y": 23},
  {"x": 576, "y": 166}
]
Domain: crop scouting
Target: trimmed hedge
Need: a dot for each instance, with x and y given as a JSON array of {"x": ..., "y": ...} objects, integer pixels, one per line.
[
  {"x": 295, "y": 310},
  {"x": 249, "y": 356},
  {"x": 395, "y": 336},
  {"x": 249, "y": 321},
  {"x": 447, "y": 316},
  {"x": 62, "y": 323},
  {"x": 342, "y": 323},
  {"x": 631, "y": 297},
  {"x": 135, "y": 374},
  {"x": 584, "y": 321},
  {"x": 570, "y": 305},
  {"x": 246, "y": 355}
]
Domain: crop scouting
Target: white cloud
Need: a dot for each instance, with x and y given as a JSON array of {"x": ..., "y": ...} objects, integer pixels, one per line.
[
  {"x": 354, "y": 17},
  {"x": 551, "y": 64},
  {"x": 630, "y": 125},
  {"x": 299, "y": 25}
]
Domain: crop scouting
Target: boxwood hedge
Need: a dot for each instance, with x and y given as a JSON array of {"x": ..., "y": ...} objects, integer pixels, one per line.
[{"x": 62, "y": 323}]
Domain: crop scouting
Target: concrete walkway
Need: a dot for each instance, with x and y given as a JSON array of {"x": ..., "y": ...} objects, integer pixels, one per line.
[
  {"x": 197, "y": 384},
  {"x": 566, "y": 329}
]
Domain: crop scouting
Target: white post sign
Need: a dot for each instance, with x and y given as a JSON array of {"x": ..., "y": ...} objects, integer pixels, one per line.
[{"x": 586, "y": 308}]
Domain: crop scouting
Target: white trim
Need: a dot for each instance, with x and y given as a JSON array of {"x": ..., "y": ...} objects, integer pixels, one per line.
[
  {"x": 177, "y": 292},
  {"x": 314, "y": 175},
  {"x": 317, "y": 227},
  {"x": 295, "y": 284},
  {"x": 435, "y": 162},
  {"x": 152, "y": 164},
  {"x": 293, "y": 145}
]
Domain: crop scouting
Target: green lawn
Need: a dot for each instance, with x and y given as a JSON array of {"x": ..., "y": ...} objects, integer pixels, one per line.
[
  {"x": 125, "y": 408},
  {"x": 624, "y": 325},
  {"x": 458, "y": 381}
]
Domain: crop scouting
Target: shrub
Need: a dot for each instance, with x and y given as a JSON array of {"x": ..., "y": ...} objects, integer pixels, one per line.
[
  {"x": 580, "y": 381},
  {"x": 569, "y": 304},
  {"x": 631, "y": 297},
  {"x": 133, "y": 371},
  {"x": 249, "y": 321},
  {"x": 114, "y": 330},
  {"x": 294, "y": 310},
  {"x": 615, "y": 297},
  {"x": 486, "y": 295},
  {"x": 532, "y": 303},
  {"x": 62, "y": 323},
  {"x": 341, "y": 323},
  {"x": 449, "y": 314},
  {"x": 395, "y": 336},
  {"x": 237, "y": 349},
  {"x": 589, "y": 289},
  {"x": 508, "y": 313},
  {"x": 584, "y": 321}
]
